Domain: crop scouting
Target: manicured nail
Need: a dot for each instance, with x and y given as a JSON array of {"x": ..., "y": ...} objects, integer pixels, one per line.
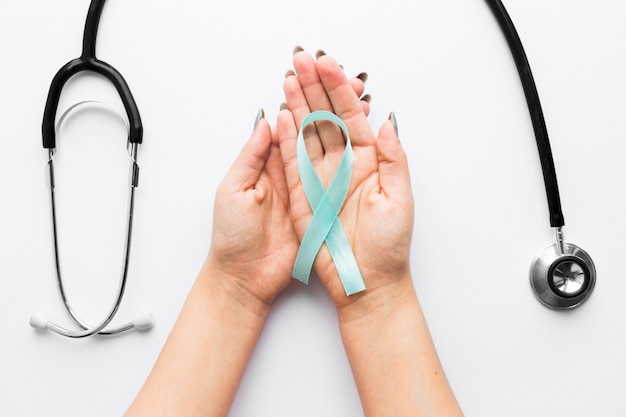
[
  {"x": 260, "y": 115},
  {"x": 290, "y": 73},
  {"x": 363, "y": 76},
  {"x": 297, "y": 49},
  {"x": 367, "y": 98},
  {"x": 283, "y": 106},
  {"x": 394, "y": 122},
  {"x": 319, "y": 54}
]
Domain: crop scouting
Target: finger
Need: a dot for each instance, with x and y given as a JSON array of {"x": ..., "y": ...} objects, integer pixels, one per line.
[
  {"x": 248, "y": 166},
  {"x": 345, "y": 102},
  {"x": 316, "y": 99},
  {"x": 274, "y": 168},
  {"x": 393, "y": 168},
  {"x": 358, "y": 83},
  {"x": 366, "y": 108},
  {"x": 287, "y": 134},
  {"x": 305, "y": 82},
  {"x": 365, "y": 104},
  {"x": 299, "y": 107}
]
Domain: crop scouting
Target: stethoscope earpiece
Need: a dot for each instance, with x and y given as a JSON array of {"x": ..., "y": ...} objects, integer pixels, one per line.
[{"x": 563, "y": 275}]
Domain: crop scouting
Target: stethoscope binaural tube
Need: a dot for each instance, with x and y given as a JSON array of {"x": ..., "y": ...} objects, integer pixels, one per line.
[
  {"x": 88, "y": 62},
  {"x": 563, "y": 275}
]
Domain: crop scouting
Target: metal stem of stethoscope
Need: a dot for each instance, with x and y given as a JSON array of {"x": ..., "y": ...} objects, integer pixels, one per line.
[
  {"x": 88, "y": 62},
  {"x": 563, "y": 275},
  {"x": 87, "y": 329}
]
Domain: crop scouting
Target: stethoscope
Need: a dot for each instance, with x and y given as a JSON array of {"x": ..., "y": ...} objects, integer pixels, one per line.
[
  {"x": 50, "y": 126},
  {"x": 563, "y": 275}
]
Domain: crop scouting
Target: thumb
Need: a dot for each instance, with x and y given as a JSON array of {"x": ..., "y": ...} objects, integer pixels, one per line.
[
  {"x": 247, "y": 168},
  {"x": 393, "y": 168}
]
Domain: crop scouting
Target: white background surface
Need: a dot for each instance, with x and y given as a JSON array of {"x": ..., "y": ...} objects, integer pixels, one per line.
[{"x": 199, "y": 72}]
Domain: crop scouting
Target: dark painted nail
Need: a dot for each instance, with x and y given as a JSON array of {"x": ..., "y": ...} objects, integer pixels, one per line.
[
  {"x": 283, "y": 106},
  {"x": 290, "y": 73},
  {"x": 319, "y": 54},
  {"x": 260, "y": 115},
  {"x": 392, "y": 117},
  {"x": 363, "y": 76},
  {"x": 297, "y": 49},
  {"x": 367, "y": 98}
]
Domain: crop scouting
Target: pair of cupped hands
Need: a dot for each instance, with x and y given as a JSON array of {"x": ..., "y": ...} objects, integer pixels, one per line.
[{"x": 261, "y": 210}]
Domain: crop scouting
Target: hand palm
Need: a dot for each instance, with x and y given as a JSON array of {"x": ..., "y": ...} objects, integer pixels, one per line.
[
  {"x": 253, "y": 237},
  {"x": 377, "y": 225}
]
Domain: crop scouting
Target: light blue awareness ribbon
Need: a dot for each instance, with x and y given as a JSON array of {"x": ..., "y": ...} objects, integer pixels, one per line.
[{"x": 326, "y": 205}]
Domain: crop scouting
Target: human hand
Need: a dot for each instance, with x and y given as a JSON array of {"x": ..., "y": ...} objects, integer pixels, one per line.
[
  {"x": 254, "y": 244},
  {"x": 377, "y": 215}
]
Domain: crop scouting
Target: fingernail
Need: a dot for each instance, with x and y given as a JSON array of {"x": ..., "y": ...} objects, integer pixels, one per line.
[
  {"x": 260, "y": 115},
  {"x": 297, "y": 49},
  {"x": 283, "y": 106},
  {"x": 290, "y": 73},
  {"x": 367, "y": 98},
  {"x": 394, "y": 122},
  {"x": 319, "y": 54},
  {"x": 363, "y": 76}
]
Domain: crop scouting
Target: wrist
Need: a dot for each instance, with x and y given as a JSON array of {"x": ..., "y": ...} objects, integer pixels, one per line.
[
  {"x": 232, "y": 290},
  {"x": 203, "y": 361},
  {"x": 392, "y": 355},
  {"x": 377, "y": 301}
]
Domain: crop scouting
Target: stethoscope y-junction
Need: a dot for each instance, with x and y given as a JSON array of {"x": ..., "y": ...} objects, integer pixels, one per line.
[
  {"x": 50, "y": 126},
  {"x": 563, "y": 275}
]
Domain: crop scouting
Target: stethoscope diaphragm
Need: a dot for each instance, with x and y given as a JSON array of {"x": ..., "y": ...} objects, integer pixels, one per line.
[{"x": 562, "y": 276}]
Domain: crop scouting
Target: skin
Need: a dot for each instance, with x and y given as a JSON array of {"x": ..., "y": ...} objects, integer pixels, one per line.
[
  {"x": 384, "y": 331},
  {"x": 202, "y": 363},
  {"x": 249, "y": 263}
]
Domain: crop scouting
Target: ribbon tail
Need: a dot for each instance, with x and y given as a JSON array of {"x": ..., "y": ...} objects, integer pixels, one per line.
[{"x": 344, "y": 260}]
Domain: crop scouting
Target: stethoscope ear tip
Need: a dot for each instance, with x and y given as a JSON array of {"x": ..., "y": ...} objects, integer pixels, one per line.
[
  {"x": 144, "y": 323},
  {"x": 38, "y": 323}
]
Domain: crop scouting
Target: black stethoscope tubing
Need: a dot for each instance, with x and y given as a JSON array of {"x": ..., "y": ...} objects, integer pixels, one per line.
[
  {"x": 536, "y": 113},
  {"x": 88, "y": 62}
]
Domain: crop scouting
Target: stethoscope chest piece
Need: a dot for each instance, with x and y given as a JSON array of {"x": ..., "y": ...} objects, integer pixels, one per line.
[{"x": 562, "y": 276}]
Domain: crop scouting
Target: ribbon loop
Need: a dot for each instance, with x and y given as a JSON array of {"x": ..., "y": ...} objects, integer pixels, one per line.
[{"x": 326, "y": 205}]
